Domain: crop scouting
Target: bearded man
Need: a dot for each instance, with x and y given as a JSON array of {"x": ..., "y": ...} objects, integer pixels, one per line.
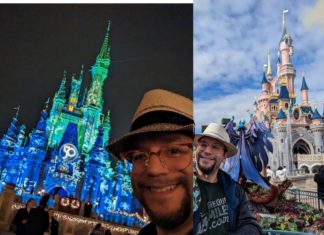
[
  {"x": 223, "y": 205},
  {"x": 159, "y": 145}
]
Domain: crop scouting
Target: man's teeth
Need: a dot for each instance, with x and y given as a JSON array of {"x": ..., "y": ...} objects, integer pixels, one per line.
[{"x": 163, "y": 189}]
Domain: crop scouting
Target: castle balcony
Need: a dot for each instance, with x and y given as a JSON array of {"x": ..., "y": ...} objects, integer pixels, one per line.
[
  {"x": 310, "y": 162},
  {"x": 287, "y": 69}
]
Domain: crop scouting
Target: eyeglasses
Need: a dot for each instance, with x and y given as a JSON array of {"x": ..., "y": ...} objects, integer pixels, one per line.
[
  {"x": 216, "y": 147},
  {"x": 173, "y": 157}
]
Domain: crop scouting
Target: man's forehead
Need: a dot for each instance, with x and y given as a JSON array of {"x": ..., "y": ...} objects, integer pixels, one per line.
[
  {"x": 161, "y": 137},
  {"x": 210, "y": 140}
]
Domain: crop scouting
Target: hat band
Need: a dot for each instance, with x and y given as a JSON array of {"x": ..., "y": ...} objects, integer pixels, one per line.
[{"x": 160, "y": 117}]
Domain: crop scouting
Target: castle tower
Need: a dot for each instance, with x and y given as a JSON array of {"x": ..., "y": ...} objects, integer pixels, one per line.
[
  {"x": 35, "y": 154},
  {"x": 284, "y": 98},
  {"x": 59, "y": 98},
  {"x": 94, "y": 169},
  {"x": 269, "y": 70},
  {"x": 94, "y": 100},
  {"x": 287, "y": 72},
  {"x": 8, "y": 143},
  {"x": 304, "y": 92},
  {"x": 317, "y": 128},
  {"x": 99, "y": 73},
  {"x": 74, "y": 93},
  {"x": 106, "y": 126}
]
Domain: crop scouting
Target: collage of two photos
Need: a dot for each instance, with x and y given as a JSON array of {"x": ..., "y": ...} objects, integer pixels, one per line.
[{"x": 162, "y": 118}]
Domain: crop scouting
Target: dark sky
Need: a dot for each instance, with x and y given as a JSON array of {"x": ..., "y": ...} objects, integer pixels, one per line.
[{"x": 151, "y": 47}]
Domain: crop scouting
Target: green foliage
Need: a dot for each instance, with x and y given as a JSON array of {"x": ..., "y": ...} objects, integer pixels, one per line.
[{"x": 294, "y": 216}]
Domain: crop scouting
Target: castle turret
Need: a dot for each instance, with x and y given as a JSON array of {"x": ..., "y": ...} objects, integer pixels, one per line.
[
  {"x": 60, "y": 97},
  {"x": 284, "y": 97},
  {"x": 99, "y": 73},
  {"x": 269, "y": 70},
  {"x": 317, "y": 128},
  {"x": 106, "y": 126},
  {"x": 287, "y": 72},
  {"x": 74, "y": 93},
  {"x": 304, "y": 92}
]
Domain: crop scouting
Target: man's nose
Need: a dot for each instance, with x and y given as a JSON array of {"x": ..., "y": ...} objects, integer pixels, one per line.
[
  {"x": 154, "y": 165},
  {"x": 208, "y": 150}
]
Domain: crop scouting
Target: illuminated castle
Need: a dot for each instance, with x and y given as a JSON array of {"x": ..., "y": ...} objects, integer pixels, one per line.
[
  {"x": 298, "y": 128},
  {"x": 65, "y": 153}
]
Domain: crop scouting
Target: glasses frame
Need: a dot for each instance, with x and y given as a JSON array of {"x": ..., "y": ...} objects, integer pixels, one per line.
[{"x": 158, "y": 154}]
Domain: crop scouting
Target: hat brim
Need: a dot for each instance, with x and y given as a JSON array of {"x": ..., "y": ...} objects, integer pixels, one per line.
[
  {"x": 119, "y": 146},
  {"x": 231, "y": 149}
]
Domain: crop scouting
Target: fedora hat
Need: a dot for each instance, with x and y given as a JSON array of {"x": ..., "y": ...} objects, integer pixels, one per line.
[
  {"x": 216, "y": 131},
  {"x": 158, "y": 111}
]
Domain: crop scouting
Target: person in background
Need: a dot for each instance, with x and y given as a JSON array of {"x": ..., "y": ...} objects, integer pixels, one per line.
[
  {"x": 280, "y": 174},
  {"x": 38, "y": 220},
  {"x": 53, "y": 223},
  {"x": 97, "y": 230},
  {"x": 107, "y": 232},
  {"x": 20, "y": 220},
  {"x": 270, "y": 174},
  {"x": 319, "y": 179},
  {"x": 285, "y": 171}
]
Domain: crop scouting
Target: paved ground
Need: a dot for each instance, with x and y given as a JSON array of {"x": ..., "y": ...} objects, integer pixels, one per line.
[{"x": 5, "y": 233}]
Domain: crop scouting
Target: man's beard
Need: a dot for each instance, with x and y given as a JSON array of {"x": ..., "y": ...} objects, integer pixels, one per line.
[
  {"x": 171, "y": 220},
  {"x": 207, "y": 170}
]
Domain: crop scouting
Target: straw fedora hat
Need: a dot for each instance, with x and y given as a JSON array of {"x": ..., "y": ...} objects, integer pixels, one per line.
[
  {"x": 219, "y": 133},
  {"x": 158, "y": 111}
]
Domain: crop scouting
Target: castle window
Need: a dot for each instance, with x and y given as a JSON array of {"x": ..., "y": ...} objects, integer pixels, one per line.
[
  {"x": 281, "y": 140},
  {"x": 286, "y": 105}
]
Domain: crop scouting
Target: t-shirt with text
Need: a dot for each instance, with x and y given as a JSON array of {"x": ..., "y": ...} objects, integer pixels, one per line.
[{"x": 213, "y": 211}]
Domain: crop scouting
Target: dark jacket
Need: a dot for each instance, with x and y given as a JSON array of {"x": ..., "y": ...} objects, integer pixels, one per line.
[
  {"x": 54, "y": 226},
  {"x": 149, "y": 229},
  {"x": 319, "y": 179},
  {"x": 38, "y": 221},
  {"x": 241, "y": 220},
  {"x": 22, "y": 214}
]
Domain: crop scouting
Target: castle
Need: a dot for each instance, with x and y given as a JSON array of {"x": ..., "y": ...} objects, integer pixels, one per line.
[
  {"x": 65, "y": 153},
  {"x": 298, "y": 129}
]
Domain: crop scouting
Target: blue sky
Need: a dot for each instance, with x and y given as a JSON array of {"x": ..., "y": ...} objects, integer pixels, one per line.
[{"x": 231, "y": 41}]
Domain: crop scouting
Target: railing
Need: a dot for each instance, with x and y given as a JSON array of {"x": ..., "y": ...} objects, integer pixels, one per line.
[
  {"x": 281, "y": 232},
  {"x": 307, "y": 197},
  {"x": 318, "y": 157}
]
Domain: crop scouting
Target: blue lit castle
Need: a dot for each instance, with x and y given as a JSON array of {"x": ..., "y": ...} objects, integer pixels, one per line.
[{"x": 65, "y": 153}]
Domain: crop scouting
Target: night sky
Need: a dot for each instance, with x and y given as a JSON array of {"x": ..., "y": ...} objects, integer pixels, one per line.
[{"x": 151, "y": 47}]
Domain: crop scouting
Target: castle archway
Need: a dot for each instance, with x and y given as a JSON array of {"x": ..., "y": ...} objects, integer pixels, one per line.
[
  {"x": 305, "y": 169},
  {"x": 301, "y": 146},
  {"x": 315, "y": 168},
  {"x": 58, "y": 190}
]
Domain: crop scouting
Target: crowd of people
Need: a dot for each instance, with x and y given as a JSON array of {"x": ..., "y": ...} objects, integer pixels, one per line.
[
  {"x": 35, "y": 220},
  {"x": 280, "y": 174}
]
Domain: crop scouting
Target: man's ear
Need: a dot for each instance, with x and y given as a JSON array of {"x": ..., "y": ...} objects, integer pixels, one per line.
[{"x": 225, "y": 156}]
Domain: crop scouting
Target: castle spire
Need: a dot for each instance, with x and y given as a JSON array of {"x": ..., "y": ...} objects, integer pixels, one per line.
[
  {"x": 61, "y": 92},
  {"x": 81, "y": 73},
  {"x": 269, "y": 70},
  {"x": 304, "y": 91},
  {"x": 304, "y": 85},
  {"x": 284, "y": 31},
  {"x": 99, "y": 73},
  {"x": 17, "y": 111},
  {"x": 105, "y": 48}
]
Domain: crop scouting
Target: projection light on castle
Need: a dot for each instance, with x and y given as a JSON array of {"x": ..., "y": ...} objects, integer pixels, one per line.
[{"x": 65, "y": 153}]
